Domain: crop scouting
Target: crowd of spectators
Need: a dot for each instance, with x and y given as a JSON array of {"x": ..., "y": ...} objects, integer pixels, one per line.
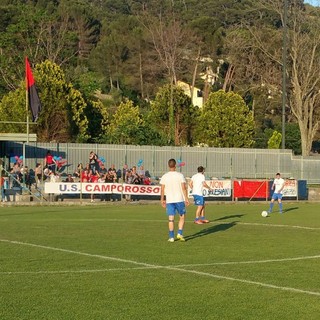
[{"x": 93, "y": 171}]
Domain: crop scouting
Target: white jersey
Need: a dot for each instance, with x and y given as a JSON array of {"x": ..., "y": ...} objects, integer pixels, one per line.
[
  {"x": 278, "y": 184},
  {"x": 197, "y": 183},
  {"x": 173, "y": 181}
]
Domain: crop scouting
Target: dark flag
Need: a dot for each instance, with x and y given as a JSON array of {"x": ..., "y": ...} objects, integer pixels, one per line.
[{"x": 33, "y": 98}]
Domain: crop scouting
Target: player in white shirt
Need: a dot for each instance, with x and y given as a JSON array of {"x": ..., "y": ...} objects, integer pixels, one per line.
[
  {"x": 197, "y": 183},
  {"x": 277, "y": 186},
  {"x": 174, "y": 198}
]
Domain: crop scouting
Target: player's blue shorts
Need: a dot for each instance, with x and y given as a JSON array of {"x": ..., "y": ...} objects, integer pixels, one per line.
[
  {"x": 198, "y": 200},
  {"x": 277, "y": 196},
  {"x": 173, "y": 208}
]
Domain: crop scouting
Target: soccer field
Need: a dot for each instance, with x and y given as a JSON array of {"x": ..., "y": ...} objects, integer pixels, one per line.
[{"x": 113, "y": 261}]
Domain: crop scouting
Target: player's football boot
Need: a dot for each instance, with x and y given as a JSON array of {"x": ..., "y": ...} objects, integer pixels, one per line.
[{"x": 180, "y": 237}]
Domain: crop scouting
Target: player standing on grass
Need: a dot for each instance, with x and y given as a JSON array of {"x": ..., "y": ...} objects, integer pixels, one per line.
[
  {"x": 197, "y": 183},
  {"x": 277, "y": 186},
  {"x": 173, "y": 187}
]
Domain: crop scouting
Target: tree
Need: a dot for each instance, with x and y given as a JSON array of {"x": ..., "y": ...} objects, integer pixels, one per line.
[
  {"x": 184, "y": 114},
  {"x": 79, "y": 15},
  {"x": 304, "y": 94},
  {"x": 124, "y": 123},
  {"x": 171, "y": 41},
  {"x": 302, "y": 57},
  {"x": 62, "y": 118},
  {"x": 36, "y": 29},
  {"x": 275, "y": 140},
  {"x": 225, "y": 121},
  {"x": 13, "y": 109},
  {"x": 98, "y": 120},
  {"x": 18, "y": 38}
]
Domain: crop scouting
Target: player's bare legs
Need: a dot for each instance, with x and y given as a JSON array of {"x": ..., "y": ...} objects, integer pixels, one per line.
[
  {"x": 181, "y": 222},
  {"x": 171, "y": 223}
]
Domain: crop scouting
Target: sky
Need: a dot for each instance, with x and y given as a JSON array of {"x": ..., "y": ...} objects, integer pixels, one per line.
[{"x": 313, "y": 2}]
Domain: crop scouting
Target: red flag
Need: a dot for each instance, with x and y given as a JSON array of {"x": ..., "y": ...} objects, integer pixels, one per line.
[{"x": 33, "y": 97}]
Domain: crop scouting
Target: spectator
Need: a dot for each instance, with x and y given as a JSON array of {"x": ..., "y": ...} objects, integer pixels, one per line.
[
  {"x": 84, "y": 175},
  {"x": 114, "y": 171},
  {"x": 125, "y": 169},
  {"x": 93, "y": 161},
  {"x": 147, "y": 174},
  {"x": 136, "y": 179},
  {"x": 110, "y": 178},
  {"x": 93, "y": 178},
  {"x": 147, "y": 181},
  {"x": 3, "y": 198},
  {"x": 38, "y": 173},
  {"x": 115, "y": 197},
  {"x": 54, "y": 177},
  {"x": 16, "y": 169},
  {"x": 141, "y": 172},
  {"x": 69, "y": 178},
  {"x": 46, "y": 174},
  {"x": 119, "y": 175},
  {"x": 15, "y": 175},
  {"x": 78, "y": 170},
  {"x": 103, "y": 172},
  {"x": 49, "y": 162},
  {"x": 12, "y": 158},
  {"x": 128, "y": 180}
]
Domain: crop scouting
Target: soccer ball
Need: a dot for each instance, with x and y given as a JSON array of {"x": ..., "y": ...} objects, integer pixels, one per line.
[{"x": 264, "y": 213}]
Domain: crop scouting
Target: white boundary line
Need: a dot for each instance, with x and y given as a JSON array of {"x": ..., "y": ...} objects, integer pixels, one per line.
[
  {"x": 214, "y": 222},
  {"x": 278, "y": 225},
  {"x": 173, "y": 268},
  {"x": 249, "y": 261}
]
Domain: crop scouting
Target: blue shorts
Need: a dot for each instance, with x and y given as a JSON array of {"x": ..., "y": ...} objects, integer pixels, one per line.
[
  {"x": 173, "y": 208},
  {"x": 198, "y": 200},
  {"x": 277, "y": 196}
]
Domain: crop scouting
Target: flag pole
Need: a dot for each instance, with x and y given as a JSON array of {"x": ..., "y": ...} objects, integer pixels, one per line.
[
  {"x": 23, "y": 143},
  {"x": 27, "y": 113}
]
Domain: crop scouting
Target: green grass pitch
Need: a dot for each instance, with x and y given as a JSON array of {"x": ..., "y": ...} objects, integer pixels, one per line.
[{"x": 114, "y": 262}]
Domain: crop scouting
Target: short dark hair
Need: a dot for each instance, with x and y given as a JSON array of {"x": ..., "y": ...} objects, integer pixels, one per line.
[
  {"x": 172, "y": 163},
  {"x": 278, "y": 174},
  {"x": 200, "y": 169}
]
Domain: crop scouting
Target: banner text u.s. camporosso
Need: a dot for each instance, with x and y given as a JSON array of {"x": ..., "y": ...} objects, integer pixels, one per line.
[
  {"x": 219, "y": 188},
  {"x": 100, "y": 188}
]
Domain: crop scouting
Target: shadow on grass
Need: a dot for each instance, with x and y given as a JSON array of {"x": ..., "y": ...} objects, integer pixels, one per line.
[
  {"x": 230, "y": 217},
  {"x": 285, "y": 210},
  {"x": 213, "y": 229},
  {"x": 290, "y": 209}
]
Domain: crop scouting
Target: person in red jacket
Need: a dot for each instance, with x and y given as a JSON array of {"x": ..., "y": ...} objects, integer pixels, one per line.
[
  {"x": 3, "y": 196},
  {"x": 49, "y": 162}
]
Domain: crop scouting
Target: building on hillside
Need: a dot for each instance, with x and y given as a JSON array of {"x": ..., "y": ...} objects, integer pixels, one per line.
[{"x": 197, "y": 98}]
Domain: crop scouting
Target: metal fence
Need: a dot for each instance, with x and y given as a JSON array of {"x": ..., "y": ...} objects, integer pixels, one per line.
[{"x": 219, "y": 162}]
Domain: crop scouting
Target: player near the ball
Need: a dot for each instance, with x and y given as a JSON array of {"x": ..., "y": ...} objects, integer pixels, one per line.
[
  {"x": 277, "y": 186},
  {"x": 197, "y": 183},
  {"x": 174, "y": 198}
]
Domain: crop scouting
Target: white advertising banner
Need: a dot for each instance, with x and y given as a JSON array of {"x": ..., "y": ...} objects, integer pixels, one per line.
[
  {"x": 290, "y": 188},
  {"x": 100, "y": 188},
  {"x": 220, "y": 188}
]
